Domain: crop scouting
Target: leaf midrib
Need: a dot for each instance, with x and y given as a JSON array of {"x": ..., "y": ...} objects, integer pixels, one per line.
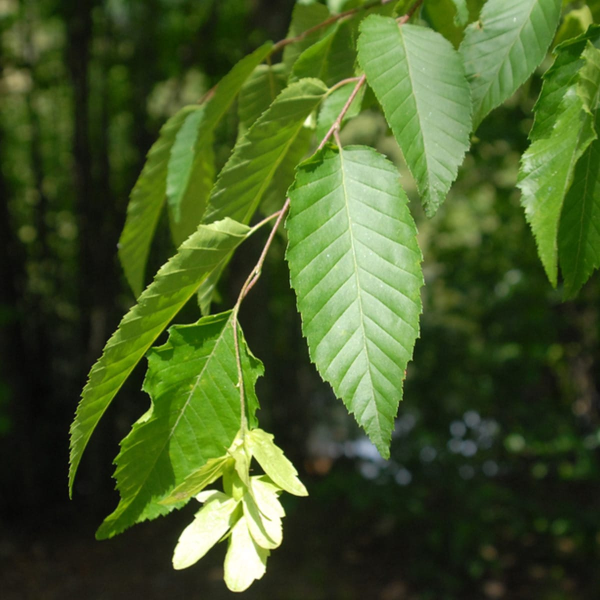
[{"x": 359, "y": 291}]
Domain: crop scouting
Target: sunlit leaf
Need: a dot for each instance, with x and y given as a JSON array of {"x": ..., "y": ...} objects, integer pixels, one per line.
[
  {"x": 548, "y": 165},
  {"x": 275, "y": 464},
  {"x": 355, "y": 266},
  {"x": 196, "y": 481},
  {"x": 195, "y": 416},
  {"x": 419, "y": 80},
  {"x": 245, "y": 561},
  {"x": 211, "y": 523}
]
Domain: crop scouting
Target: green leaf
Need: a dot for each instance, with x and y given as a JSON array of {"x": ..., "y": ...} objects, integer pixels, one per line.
[
  {"x": 418, "y": 78},
  {"x": 331, "y": 59},
  {"x": 271, "y": 458},
  {"x": 304, "y": 17},
  {"x": 245, "y": 561},
  {"x": 548, "y": 165},
  {"x": 190, "y": 177},
  {"x": 148, "y": 195},
  {"x": 355, "y": 266},
  {"x": 563, "y": 73},
  {"x": 502, "y": 49},
  {"x": 173, "y": 286},
  {"x": 195, "y": 416},
  {"x": 262, "y": 87},
  {"x": 255, "y": 158},
  {"x": 579, "y": 231},
  {"x": 147, "y": 201},
  {"x": 196, "y": 481},
  {"x": 211, "y": 523}
]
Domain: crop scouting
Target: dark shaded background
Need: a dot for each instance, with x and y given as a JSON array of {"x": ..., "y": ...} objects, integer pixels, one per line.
[{"x": 492, "y": 489}]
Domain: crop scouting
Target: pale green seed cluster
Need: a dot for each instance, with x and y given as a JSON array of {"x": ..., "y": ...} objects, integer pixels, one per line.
[{"x": 247, "y": 513}]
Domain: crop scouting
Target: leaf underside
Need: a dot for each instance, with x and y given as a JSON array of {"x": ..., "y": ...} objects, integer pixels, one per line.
[{"x": 355, "y": 266}]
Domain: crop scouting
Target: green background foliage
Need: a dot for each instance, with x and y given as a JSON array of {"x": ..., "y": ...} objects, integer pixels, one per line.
[{"x": 492, "y": 484}]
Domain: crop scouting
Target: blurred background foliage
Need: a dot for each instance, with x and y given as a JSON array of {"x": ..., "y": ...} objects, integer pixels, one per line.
[{"x": 492, "y": 489}]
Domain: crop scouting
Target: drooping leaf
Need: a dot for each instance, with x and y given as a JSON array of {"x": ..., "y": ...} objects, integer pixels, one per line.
[
  {"x": 502, "y": 49},
  {"x": 548, "y": 165},
  {"x": 579, "y": 231},
  {"x": 245, "y": 561},
  {"x": 331, "y": 59},
  {"x": 196, "y": 481},
  {"x": 148, "y": 195},
  {"x": 147, "y": 201},
  {"x": 246, "y": 177},
  {"x": 262, "y": 87},
  {"x": 261, "y": 446},
  {"x": 355, "y": 266},
  {"x": 195, "y": 416},
  {"x": 173, "y": 286},
  {"x": 190, "y": 177},
  {"x": 563, "y": 73},
  {"x": 304, "y": 17},
  {"x": 418, "y": 78},
  {"x": 211, "y": 523}
]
